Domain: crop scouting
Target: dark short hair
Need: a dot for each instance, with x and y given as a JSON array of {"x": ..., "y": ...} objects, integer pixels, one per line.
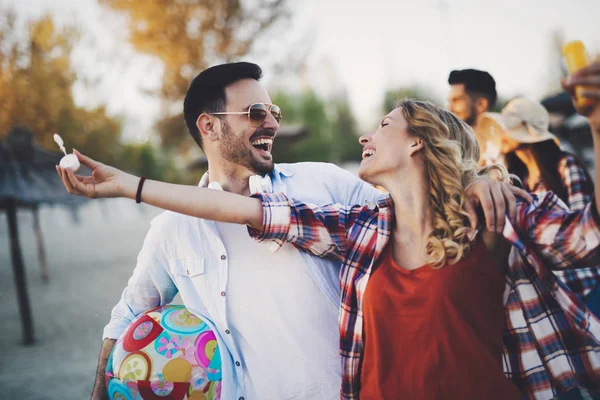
[
  {"x": 206, "y": 93},
  {"x": 477, "y": 83}
]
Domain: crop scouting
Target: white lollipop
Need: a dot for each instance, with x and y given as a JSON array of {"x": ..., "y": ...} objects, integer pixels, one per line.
[{"x": 69, "y": 160}]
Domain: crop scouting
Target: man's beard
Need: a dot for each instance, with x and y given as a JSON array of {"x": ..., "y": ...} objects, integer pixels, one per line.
[
  {"x": 472, "y": 118},
  {"x": 235, "y": 150}
]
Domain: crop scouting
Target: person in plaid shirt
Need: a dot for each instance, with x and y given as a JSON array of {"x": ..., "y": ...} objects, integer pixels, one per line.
[
  {"x": 545, "y": 339},
  {"x": 531, "y": 152}
]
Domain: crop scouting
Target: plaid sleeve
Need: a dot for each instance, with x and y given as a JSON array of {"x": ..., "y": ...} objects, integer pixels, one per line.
[
  {"x": 574, "y": 178},
  {"x": 566, "y": 239},
  {"x": 321, "y": 230}
]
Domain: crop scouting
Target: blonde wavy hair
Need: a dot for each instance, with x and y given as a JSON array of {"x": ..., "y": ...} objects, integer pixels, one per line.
[{"x": 451, "y": 154}]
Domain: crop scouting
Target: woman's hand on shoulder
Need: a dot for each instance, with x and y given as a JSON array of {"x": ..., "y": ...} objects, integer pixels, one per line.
[{"x": 496, "y": 199}]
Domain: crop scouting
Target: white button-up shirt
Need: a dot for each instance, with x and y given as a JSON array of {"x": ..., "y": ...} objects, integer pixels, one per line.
[{"x": 187, "y": 255}]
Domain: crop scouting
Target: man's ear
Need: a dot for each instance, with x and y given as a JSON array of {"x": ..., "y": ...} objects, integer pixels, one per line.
[
  {"x": 481, "y": 105},
  {"x": 415, "y": 147},
  {"x": 206, "y": 126}
]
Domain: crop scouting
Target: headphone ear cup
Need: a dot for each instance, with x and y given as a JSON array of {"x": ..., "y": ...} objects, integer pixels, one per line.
[{"x": 260, "y": 184}]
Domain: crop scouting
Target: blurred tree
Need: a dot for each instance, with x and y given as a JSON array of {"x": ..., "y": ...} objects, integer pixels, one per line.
[
  {"x": 36, "y": 81},
  {"x": 333, "y": 133},
  {"x": 188, "y": 36},
  {"x": 308, "y": 110},
  {"x": 145, "y": 160},
  {"x": 345, "y": 133}
]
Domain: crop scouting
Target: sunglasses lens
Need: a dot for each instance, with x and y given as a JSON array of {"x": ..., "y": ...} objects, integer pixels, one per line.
[
  {"x": 258, "y": 113},
  {"x": 276, "y": 113}
]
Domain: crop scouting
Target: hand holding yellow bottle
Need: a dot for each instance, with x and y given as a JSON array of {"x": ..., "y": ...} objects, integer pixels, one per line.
[{"x": 576, "y": 58}]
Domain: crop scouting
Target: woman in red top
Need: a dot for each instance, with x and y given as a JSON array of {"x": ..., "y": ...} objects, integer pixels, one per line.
[{"x": 429, "y": 324}]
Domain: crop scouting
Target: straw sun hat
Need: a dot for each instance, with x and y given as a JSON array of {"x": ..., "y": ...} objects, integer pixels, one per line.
[{"x": 523, "y": 120}]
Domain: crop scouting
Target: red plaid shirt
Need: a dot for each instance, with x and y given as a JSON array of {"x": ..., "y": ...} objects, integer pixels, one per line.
[
  {"x": 574, "y": 179},
  {"x": 551, "y": 340}
]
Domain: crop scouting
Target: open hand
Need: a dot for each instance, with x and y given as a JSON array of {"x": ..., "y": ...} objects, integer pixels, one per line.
[{"x": 105, "y": 181}]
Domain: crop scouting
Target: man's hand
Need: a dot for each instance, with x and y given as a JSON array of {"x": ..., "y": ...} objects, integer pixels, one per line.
[
  {"x": 589, "y": 77},
  {"x": 99, "y": 392},
  {"x": 105, "y": 181},
  {"x": 495, "y": 198}
]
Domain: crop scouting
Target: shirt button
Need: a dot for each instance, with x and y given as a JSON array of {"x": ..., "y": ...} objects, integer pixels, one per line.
[
  {"x": 227, "y": 331},
  {"x": 237, "y": 364},
  {"x": 223, "y": 294},
  {"x": 223, "y": 257},
  {"x": 241, "y": 398}
]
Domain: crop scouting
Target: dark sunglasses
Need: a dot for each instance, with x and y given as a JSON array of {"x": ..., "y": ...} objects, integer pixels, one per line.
[{"x": 257, "y": 113}]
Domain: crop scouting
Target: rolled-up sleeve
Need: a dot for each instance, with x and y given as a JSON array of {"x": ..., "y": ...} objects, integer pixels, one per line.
[
  {"x": 276, "y": 220},
  {"x": 568, "y": 239},
  {"x": 150, "y": 285},
  {"x": 320, "y": 230}
]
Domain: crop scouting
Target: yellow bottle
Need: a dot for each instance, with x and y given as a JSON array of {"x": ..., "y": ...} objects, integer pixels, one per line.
[{"x": 576, "y": 58}]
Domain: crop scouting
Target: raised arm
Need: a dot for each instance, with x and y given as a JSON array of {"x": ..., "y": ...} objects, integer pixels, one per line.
[
  {"x": 107, "y": 181},
  {"x": 565, "y": 239},
  {"x": 321, "y": 230},
  {"x": 590, "y": 78},
  {"x": 569, "y": 239}
]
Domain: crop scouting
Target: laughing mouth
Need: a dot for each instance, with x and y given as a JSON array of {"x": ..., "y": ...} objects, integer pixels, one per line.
[
  {"x": 367, "y": 153},
  {"x": 263, "y": 143}
]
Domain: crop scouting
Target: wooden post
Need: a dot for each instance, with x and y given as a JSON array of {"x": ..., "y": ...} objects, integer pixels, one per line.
[
  {"x": 40, "y": 244},
  {"x": 19, "y": 273}
]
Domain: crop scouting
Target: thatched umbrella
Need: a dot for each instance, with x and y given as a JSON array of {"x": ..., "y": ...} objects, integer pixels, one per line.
[{"x": 28, "y": 179}]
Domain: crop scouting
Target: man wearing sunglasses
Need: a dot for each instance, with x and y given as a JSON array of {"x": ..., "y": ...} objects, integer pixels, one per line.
[{"x": 274, "y": 314}]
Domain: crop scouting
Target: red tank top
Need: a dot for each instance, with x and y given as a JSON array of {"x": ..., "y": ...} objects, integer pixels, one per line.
[{"x": 435, "y": 334}]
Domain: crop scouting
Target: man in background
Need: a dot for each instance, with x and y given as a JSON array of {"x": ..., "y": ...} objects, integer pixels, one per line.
[{"x": 472, "y": 93}]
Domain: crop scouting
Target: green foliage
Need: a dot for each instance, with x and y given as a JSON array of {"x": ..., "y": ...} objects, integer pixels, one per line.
[
  {"x": 332, "y": 132},
  {"x": 346, "y": 133},
  {"x": 145, "y": 160}
]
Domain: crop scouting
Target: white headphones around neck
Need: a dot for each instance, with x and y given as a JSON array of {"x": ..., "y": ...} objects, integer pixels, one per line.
[{"x": 260, "y": 184}]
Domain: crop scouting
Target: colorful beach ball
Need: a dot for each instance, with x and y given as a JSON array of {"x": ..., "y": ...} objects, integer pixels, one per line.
[{"x": 166, "y": 353}]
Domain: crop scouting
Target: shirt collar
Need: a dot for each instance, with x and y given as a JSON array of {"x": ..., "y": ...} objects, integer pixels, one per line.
[
  {"x": 258, "y": 184},
  {"x": 282, "y": 170}
]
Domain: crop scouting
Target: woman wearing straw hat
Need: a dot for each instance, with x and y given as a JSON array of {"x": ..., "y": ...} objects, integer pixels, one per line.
[{"x": 532, "y": 153}]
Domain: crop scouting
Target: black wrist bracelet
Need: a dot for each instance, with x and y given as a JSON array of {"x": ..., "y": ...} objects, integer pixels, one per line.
[{"x": 138, "y": 196}]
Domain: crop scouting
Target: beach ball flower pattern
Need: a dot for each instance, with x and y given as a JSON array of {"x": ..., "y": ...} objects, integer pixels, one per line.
[{"x": 166, "y": 353}]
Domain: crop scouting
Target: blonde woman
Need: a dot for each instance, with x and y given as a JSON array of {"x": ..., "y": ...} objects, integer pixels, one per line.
[{"x": 424, "y": 311}]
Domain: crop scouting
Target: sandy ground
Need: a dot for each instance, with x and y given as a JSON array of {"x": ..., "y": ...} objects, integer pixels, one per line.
[{"x": 89, "y": 265}]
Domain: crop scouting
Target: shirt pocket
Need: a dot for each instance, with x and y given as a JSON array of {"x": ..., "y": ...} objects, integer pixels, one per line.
[
  {"x": 190, "y": 267},
  {"x": 190, "y": 277}
]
